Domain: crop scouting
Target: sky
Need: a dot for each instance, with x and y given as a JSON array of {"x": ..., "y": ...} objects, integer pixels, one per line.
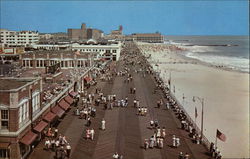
[{"x": 190, "y": 17}]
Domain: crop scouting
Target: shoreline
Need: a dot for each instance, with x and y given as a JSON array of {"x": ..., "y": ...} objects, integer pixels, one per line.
[
  {"x": 197, "y": 61},
  {"x": 224, "y": 91},
  {"x": 181, "y": 51}
]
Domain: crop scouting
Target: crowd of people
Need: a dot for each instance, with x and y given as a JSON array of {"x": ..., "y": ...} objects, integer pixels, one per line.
[
  {"x": 57, "y": 143},
  {"x": 87, "y": 109}
]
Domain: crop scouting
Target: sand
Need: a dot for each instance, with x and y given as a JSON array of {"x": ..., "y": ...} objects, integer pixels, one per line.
[{"x": 226, "y": 95}]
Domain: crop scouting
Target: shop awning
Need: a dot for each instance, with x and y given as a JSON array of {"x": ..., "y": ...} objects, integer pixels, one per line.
[
  {"x": 28, "y": 138},
  {"x": 64, "y": 105},
  {"x": 73, "y": 94},
  {"x": 49, "y": 117},
  {"x": 4, "y": 145},
  {"x": 69, "y": 100},
  {"x": 88, "y": 79},
  {"x": 58, "y": 111},
  {"x": 40, "y": 126}
]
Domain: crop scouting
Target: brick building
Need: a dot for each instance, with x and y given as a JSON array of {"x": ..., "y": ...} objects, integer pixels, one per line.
[
  {"x": 20, "y": 104},
  {"x": 25, "y": 113},
  {"x": 94, "y": 34},
  {"x": 78, "y": 34},
  {"x": 28, "y": 106}
]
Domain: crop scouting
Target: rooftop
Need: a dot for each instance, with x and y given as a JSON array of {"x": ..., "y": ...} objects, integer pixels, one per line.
[{"x": 8, "y": 84}]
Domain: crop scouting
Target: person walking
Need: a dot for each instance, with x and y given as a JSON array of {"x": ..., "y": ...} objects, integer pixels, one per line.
[
  {"x": 47, "y": 144},
  {"x": 88, "y": 122},
  {"x": 103, "y": 122},
  {"x": 181, "y": 156},
  {"x": 68, "y": 150},
  {"x": 161, "y": 143},
  {"x": 158, "y": 132},
  {"x": 186, "y": 156},
  {"x": 177, "y": 142},
  {"x": 56, "y": 132},
  {"x": 163, "y": 134},
  {"x": 151, "y": 123},
  {"x": 92, "y": 133},
  {"x": 87, "y": 134},
  {"x": 116, "y": 156},
  {"x": 174, "y": 141},
  {"x": 53, "y": 144},
  {"x": 146, "y": 144},
  {"x": 151, "y": 144}
]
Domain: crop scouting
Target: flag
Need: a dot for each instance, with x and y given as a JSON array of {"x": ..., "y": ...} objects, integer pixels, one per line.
[
  {"x": 220, "y": 136},
  {"x": 196, "y": 114}
]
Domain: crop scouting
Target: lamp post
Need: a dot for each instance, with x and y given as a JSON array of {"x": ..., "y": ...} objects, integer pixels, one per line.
[
  {"x": 169, "y": 81},
  {"x": 202, "y": 107}
]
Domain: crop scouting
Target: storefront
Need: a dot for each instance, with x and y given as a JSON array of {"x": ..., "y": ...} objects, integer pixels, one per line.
[
  {"x": 39, "y": 129},
  {"x": 27, "y": 143}
]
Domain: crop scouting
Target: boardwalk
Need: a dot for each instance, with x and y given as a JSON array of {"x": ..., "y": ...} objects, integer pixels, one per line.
[{"x": 125, "y": 130}]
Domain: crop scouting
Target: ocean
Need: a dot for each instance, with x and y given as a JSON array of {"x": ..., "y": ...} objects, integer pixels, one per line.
[{"x": 228, "y": 51}]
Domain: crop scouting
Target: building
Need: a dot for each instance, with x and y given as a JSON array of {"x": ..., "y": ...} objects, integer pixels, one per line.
[
  {"x": 148, "y": 37},
  {"x": 84, "y": 34},
  {"x": 45, "y": 36},
  {"x": 117, "y": 32},
  {"x": 109, "y": 50},
  {"x": 94, "y": 34},
  {"x": 18, "y": 38},
  {"x": 7, "y": 51},
  {"x": 60, "y": 37},
  {"x": 20, "y": 105},
  {"x": 66, "y": 59},
  {"x": 78, "y": 34},
  {"x": 30, "y": 105}
]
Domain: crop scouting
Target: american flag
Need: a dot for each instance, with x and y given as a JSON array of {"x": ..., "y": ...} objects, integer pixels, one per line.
[{"x": 221, "y": 136}]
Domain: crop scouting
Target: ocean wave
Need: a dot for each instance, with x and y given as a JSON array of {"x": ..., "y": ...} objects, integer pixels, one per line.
[{"x": 235, "y": 63}]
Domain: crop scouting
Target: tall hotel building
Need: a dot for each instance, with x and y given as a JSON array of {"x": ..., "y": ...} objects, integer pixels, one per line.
[{"x": 18, "y": 38}]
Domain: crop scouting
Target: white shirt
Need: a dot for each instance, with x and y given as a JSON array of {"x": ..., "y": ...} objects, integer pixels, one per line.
[{"x": 115, "y": 156}]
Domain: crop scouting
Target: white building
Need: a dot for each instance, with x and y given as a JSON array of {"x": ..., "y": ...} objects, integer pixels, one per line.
[
  {"x": 18, "y": 38},
  {"x": 109, "y": 50}
]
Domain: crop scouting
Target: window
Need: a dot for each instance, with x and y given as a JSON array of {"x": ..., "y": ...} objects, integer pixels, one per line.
[
  {"x": 4, "y": 153},
  {"x": 35, "y": 102},
  {"x": 37, "y": 63},
  {"x": 4, "y": 119},
  {"x": 23, "y": 112}
]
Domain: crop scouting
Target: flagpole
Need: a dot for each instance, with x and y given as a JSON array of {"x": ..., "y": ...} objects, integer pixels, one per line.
[
  {"x": 216, "y": 138},
  {"x": 202, "y": 104},
  {"x": 202, "y": 113},
  {"x": 195, "y": 115},
  {"x": 170, "y": 82}
]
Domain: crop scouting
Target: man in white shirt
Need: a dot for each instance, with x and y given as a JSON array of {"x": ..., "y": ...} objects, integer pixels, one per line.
[
  {"x": 116, "y": 156},
  {"x": 103, "y": 127}
]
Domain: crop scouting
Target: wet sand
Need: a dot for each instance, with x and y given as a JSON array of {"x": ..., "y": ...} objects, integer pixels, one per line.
[{"x": 226, "y": 95}]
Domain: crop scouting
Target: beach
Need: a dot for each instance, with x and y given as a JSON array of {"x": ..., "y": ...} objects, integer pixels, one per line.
[{"x": 225, "y": 93}]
